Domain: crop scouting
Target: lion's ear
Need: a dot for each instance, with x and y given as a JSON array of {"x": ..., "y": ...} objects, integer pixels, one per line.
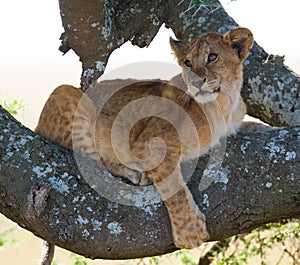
[
  {"x": 240, "y": 39},
  {"x": 179, "y": 47}
]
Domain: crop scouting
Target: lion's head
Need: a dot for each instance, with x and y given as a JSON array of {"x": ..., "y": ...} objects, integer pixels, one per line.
[{"x": 213, "y": 62}]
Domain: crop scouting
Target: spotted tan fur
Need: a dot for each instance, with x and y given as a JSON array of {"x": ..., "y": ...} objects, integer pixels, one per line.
[{"x": 208, "y": 90}]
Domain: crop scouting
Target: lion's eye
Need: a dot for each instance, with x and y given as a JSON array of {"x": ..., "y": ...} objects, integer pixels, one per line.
[
  {"x": 188, "y": 63},
  {"x": 212, "y": 57}
]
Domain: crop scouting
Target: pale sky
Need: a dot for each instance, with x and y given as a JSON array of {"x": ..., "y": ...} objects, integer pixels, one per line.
[{"x": 31, "y": 65}]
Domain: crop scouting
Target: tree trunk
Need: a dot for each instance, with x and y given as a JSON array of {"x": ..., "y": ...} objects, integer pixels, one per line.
[
  {"x": 271, "y": 90},
  {"x": 43, "y": 190}
]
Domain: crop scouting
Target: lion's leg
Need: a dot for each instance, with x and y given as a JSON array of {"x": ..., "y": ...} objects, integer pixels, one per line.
[{"x": 188, "y": 222}]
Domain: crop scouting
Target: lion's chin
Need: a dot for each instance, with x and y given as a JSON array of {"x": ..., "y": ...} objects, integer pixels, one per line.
[{"x": 202, "y": 96}]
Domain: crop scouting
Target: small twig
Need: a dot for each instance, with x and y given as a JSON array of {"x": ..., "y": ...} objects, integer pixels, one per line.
[
  {"x": 191, "y": 6},
  {"x": 280, "y": 259},
  {"x": 47, "y": 253},
  {"x": 180, "y": 2},
  {"x": 214, "y": 10},
  {"x": 198, "y": 9},
  {"x": 296, "y": 262}
]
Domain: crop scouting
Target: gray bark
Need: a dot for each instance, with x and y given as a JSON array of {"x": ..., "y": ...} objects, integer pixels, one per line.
[
  {"x": 271, "y": 89},
  {"x": 43, "y": 191}
]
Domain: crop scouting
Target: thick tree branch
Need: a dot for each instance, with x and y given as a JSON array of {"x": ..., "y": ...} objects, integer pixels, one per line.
[
  {"x": 271, "y": 90},
  {"x": 43, "y": 191}
]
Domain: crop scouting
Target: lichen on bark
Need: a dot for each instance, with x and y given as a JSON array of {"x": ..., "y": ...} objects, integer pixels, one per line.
[
  {"x": 270, "y": 90},
  {"x": 258, "y": 181},
  {"x": 258, "y": 177}
]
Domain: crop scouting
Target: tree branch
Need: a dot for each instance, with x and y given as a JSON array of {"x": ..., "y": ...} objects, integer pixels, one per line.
[
  {"x": 271, "y": 90},
  {"x": 43, "y": 190},
  {"x": 258, "y": 181}
]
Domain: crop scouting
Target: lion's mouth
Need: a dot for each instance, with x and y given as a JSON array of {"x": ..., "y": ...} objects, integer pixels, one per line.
[
  {"x": 203, "y": 93},
  {"x": 218, "y": 90}
]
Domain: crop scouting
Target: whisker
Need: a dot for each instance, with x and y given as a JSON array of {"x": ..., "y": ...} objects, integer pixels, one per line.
[
  {"x": 210, "y": 85},
  {"x": 212, "y": 82}
]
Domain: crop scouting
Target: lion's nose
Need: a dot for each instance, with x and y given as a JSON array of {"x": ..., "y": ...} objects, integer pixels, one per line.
[{"x": 199, "y": 82}]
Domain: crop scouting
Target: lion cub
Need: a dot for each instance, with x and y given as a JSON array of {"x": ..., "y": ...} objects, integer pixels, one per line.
[{"x": 144, "y": 129}]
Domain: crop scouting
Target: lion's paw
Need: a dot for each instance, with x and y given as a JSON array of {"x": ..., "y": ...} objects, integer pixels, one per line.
[
  {"x": 192, "y": 232},
  {"x": 137, "y": 177}
]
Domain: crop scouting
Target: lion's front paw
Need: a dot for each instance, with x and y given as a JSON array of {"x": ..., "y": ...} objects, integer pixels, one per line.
[
  {"x": 192, "y": 232},
  {"x": 137, "y": 177}
]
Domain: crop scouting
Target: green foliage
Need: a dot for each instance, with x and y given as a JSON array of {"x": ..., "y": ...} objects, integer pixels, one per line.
[
  {"x": 144, "y": 261},
  {"x": 54, "y": 262},
  {"x": 184, "y": 258},
  {"x": 13, "y": 107},
  {"x": 256, "y": 244},
  {"x": 154, "y": 260},
  {"x": 4, "y": 235},
  {"x": 78, "y": 260}
]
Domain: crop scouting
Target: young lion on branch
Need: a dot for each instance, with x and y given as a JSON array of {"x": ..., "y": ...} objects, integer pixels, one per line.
[{"x": 146, "y": 128}]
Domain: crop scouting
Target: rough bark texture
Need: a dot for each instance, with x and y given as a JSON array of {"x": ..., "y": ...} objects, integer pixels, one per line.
[
  {"x": 42, "y": 189},
  {"x": 258, "y": 182},
  {"x": 271, "y": 90}
]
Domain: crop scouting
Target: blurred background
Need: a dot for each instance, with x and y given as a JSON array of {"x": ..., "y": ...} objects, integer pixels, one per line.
[{"x": 31, "y": 67}]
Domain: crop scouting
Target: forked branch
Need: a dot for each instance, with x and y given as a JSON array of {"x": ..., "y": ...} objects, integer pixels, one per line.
[{"x": 271, "y": 90}]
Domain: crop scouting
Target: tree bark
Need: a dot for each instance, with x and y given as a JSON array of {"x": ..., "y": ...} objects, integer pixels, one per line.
[
  {"x": 42, "y": 186},
  {"x": 43, "y": 190},
  {"x": 271, "y": 90}
]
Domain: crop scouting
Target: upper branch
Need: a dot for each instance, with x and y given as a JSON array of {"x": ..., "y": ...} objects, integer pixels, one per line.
[
  {"x": 271, "y": 90},
  {"x": 43, "y": 190},
  {"x": 94, "y": 29}
]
